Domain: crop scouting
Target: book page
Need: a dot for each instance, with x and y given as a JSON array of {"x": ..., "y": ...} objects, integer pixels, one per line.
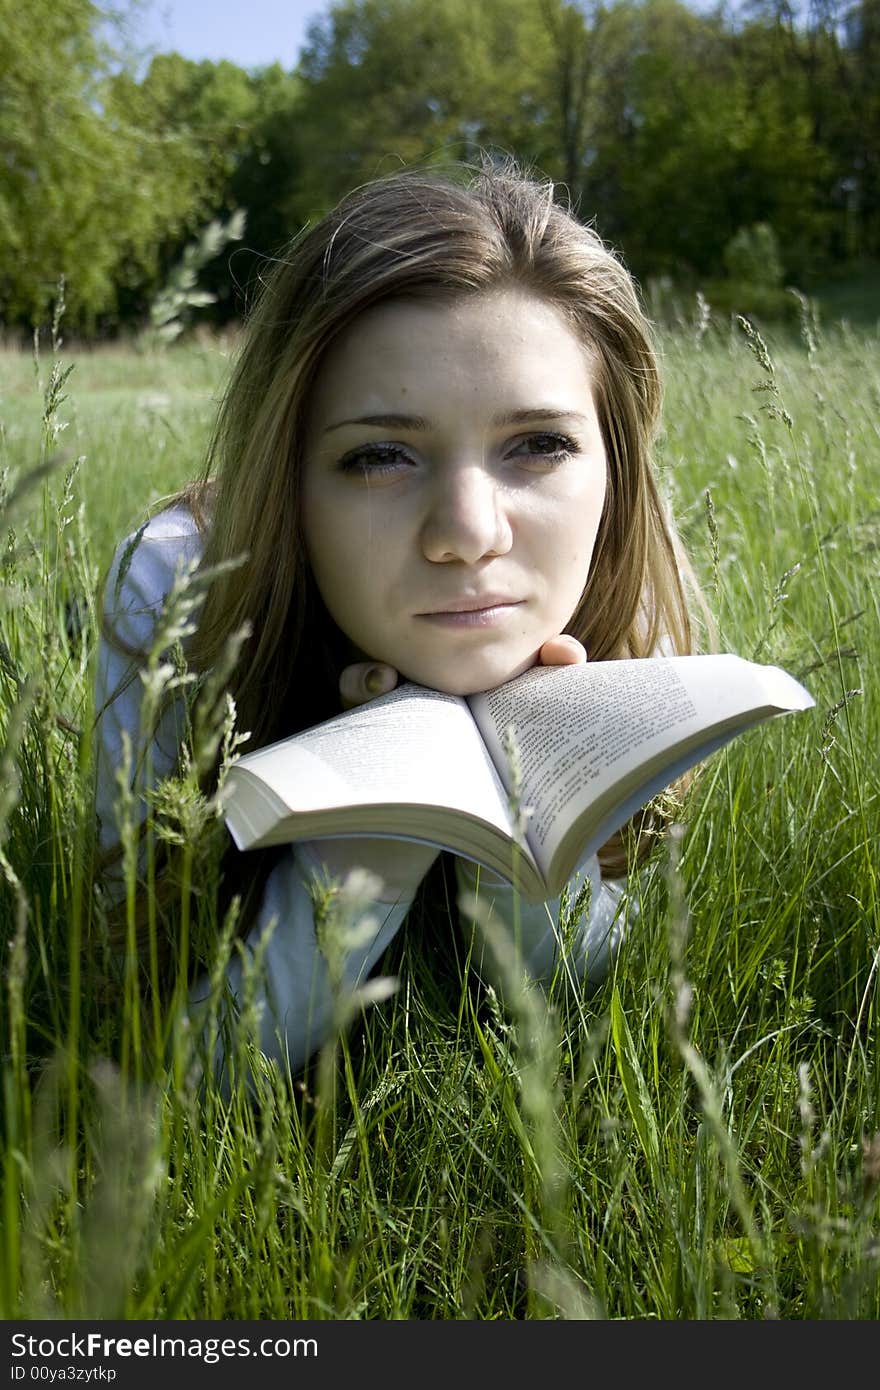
[
  {"x": 589, "y": 733},
  {"x": 413, "y": 746}
]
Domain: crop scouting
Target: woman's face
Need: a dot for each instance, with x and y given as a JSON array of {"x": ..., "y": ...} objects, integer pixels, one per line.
[{"x": 454, "y": 483}]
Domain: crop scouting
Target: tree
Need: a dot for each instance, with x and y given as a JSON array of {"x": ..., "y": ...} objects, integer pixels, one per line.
[
  {"x": 664, "y": 124},
  {"x": 391, "y": 82},
  {"x": 266, "y": 178},
  {"x": 190, "y": 123},
  {"x": 572, "y": 31},
  {"x": 103, "y": 177},
  {"x": 687, "y": 145},
  {"x": 61, "y": 166},
  {"x": 672, "y": 129},
  {"x": 829, "y": 50}
]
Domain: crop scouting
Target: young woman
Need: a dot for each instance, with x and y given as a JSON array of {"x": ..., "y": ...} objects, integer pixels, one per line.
[{"x": 435, "y": 457}]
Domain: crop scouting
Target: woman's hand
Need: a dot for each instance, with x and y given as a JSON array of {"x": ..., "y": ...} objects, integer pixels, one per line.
[
  {"x": 562, "y": 651},
  {"x": 365, "y": 680}
]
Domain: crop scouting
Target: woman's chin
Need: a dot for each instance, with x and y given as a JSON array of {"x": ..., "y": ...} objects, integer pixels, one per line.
[{"x": 468, "y": 680}]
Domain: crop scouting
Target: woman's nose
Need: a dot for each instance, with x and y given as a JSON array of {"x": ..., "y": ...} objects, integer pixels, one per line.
[{"x": 466, "y": 517}]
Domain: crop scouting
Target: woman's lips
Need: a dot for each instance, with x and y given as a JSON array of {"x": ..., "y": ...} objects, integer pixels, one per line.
[{"x": 477, "y": 613}]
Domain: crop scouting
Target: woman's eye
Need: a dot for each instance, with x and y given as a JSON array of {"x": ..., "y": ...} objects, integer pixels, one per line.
[
  {"x": 374, "y": 460},
  {"x": 546, "y": 448}
]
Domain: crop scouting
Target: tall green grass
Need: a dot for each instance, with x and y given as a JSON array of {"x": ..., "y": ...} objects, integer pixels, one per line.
[{"x": 700, "y": 1138}]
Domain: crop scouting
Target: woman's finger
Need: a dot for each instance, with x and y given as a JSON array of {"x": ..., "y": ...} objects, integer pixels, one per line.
[
  {"x": 562, "y": 651},
  {"x": 363, "y": 681}
]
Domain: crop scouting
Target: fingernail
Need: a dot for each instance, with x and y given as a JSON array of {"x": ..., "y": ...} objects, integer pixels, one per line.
[{"x": 376, "y": 680}]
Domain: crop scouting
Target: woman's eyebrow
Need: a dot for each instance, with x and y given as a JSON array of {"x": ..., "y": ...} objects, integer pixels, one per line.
[
  {"x": 534, "y": 414},
  {"x": 385, "y": 422},
  {"x": 530, "y": 415}
]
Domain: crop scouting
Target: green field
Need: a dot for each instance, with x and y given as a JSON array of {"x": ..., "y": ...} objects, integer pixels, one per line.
[{"x": 698, "y": 1139}]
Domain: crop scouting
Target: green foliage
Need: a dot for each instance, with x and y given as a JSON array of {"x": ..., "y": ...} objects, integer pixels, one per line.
[
  {"x": 620, "y": 103},
  {"x": 171, "y": 309},
  {"x": 194, "y": 122},
  {"x": 63, "y": 189},
  {"x": 688, "y": 145},
  {"x": 266, "y": 180},
  {"x": 105, "y": 175},
  {"x": 673, "y": 129},
  {"x": 755, "y": 300},
  {"x": 752, "y": 255},
  {"x": 389, "y": 82}
]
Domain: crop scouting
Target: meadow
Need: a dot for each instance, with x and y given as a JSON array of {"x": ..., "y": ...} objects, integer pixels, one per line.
[{"x": 698, "y": 1139}]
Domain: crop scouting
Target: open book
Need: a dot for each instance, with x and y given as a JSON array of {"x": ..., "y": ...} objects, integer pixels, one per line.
[{"x": 594, "y": 743}]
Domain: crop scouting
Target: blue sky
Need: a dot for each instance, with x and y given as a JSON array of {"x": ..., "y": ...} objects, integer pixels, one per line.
[{"x": 250, "y": 33}]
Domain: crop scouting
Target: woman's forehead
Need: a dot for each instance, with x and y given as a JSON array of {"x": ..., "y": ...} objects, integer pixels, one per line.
[
  {"x": 506, "y": 329},
  {"x": 450, "y": 366}
]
